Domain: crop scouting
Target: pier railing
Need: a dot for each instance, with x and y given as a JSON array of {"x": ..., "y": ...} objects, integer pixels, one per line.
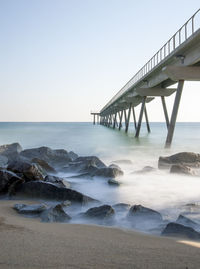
[{"x": 185, "y": 32}]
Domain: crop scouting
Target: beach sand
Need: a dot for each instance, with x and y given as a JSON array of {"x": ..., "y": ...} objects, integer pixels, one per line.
[{"x": 28, "y": 243}]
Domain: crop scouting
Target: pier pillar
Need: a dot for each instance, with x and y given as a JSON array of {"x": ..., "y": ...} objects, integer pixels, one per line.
[
  {"x": 140, "y": 117},
  {"x": 134, "y": 118},
  {"x": 94, "y": 119},
  {"x": 147, "y": 120},
  {"x": 165, "y": 111},
  {"x": 128, "y": 119},
  {"x": 115, "y": 119},
  {"x": 120, "y": 122},
  {"x": 174, "y": 114}
]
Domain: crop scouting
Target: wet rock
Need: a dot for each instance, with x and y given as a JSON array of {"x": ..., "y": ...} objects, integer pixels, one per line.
[
  {"x": 55, "y": 158},
  {"x": 100, "y": 212},
  {"x": 7, "y": 178},
  {"x": 11, "y": 151},
  {"x": 60, "y": 182},
  {"x": 141, "y": 213},
  {"x": 35, "y": 209},
  {"x": 66, "y": 203},
  {"x": 73, "y": 155},
  {"x": 28, "y": 170},
  {"x": 179, "y": 230},
  {"x": 45, "y": 166},
  {"x": 3, "y": 161},
  {"x": 113, "y": 182},
  {"x": 114, "y": 166},
  {"x": 182, "y": 169},
  {"x": 186, "y": 221},
  {"x": 55, "y": 214},
  {"x": 108, "y": 172},
  {"x": 185, "y": 158},
  {"x": 121, "y": 207},
  {"x": 127, "y": 162},
  {"x": 44, "y": 190},
  {"x": 145, "y": 169}
]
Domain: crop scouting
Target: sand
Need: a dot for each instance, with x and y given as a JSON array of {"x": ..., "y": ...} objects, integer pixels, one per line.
[{"x": 28, "y": 243}]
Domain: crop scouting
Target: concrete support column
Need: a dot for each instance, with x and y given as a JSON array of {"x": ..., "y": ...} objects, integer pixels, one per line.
[
  {"x": 147, "y": 120},
  {"x": 128, "y": 118},
  {"x": 165, "y": 111},
  {"x": 140, "y": 117},
  {"x": 120, "y": 122}
]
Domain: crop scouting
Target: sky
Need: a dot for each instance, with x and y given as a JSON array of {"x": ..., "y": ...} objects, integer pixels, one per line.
[{"x": 60, "y": 59}]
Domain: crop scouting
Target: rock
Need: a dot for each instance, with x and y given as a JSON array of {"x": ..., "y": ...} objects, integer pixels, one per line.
[
  {"x": 127, "y": 162},
  {"x": 179, "y": 230},
  {"x": 141, "y": 213},
  {"x": 45, "y": 166},
  {"x": 35, "y": 209},
  {"x": 114, "y": 166},
  {"x": 186, "y": 221},
  {"x": 73, "y": 155},
  {"x": 108, "y": 172},
  {"x": 55, "y": 158},
  {"x": 3, "y": 161},
  {"x": 100, "y": 212},
  {"x": 181, "y": 169},
  {"x": 7, "y": 178},
  {"x": 185, "y": 158},
  {"x": 121, "y": 207},
  {"x": 28, "y": 170},
  {"x": 113, "y": 182},
  {"x": 11, "y": 151},
  {"x": 60, "y": 182},
  {"x": 55, "y": 214},
  {"x": 145, "y": 169},
  {"x": 44, "y": 190},
  {"x": 66, "y": 203}
]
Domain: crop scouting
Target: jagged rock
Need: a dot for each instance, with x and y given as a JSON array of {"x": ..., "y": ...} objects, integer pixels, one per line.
[
  {"x": 3, "y": 161},
  {"x": 55, "y": 214},
  {"x": 113, "y": 182},
  {"x": 100, "y": 212},
  {"x": 28, "y": 170},
  {"x": 121, "y": 207},
  {"x": 30, "y": 209},
  {"x": 179, "y": 230},
  {"x": 185, "y": 158},
  {"x": 186, "y": 221},
  {"x": 141, "y": 213},
  {"x": 127, "y": 162},
  {"x": 73, "y": 155},
  {"x": 7, "y": 178},
  {"x": 55, "y": 158},
  {"x": 45, "y": 166},
  {"x": 66, "y": 203},
  {"x": 11, "y": 151},
  {"x": 181, "y": 169},
  {"x": 60, "y": 182},
  {"x": 108, "y": 172},
  {"x": 145, "y": 169},
  {"x": 44, "y": 190}
]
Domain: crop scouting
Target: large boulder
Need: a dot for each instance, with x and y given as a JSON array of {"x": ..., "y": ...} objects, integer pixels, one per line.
[
  {"x": 45, "y": 166},
  {"x": 60, "y": 182},
  {"x": 55, "y": 214},
  {"x": 55, "y": 158},
  {"x": 101, "y": 212},
  {"x": 190, "y": 159},
  {"x": 73, "y": 155},
  {"x": 109, "y": 172},
  {"x": 187, "y": 222},
  {"x": 182, "y": 169},
  {"x": 139, "y": 213},
  {"x": 7, "y": 178},
  {"x": 44, "y": 190},
  {"x": 113, "y": 182},
  {"x": 27, "y": 170},
  {"x": 3, "y": 161},
  {"x": 179, "y": 230},
  {"x": 34, "y": 209},
  {"x": 11, "y": 151}
]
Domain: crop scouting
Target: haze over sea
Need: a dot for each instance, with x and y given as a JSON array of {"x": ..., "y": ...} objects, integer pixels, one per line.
[{"x": 158, "y": 189}]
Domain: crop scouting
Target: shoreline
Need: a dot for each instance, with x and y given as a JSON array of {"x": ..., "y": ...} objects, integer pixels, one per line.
[{"x": 29, "y": 243}]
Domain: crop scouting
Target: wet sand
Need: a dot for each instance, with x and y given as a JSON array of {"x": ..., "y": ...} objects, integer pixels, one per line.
[{"x": 28, "y": 243}]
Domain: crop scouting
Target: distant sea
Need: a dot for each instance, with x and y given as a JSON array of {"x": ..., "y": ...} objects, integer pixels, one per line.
[{"x": 159, "y": 190}]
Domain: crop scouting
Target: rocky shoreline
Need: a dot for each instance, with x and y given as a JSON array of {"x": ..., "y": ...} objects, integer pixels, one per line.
[{"x": 32, "y": 174}]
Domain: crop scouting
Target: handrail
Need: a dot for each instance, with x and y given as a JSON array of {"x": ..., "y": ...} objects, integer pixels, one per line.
[{"x": 187, "y": 30}]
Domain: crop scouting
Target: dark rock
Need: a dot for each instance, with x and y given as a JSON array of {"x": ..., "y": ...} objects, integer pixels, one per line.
[
  {"x": 181, "y": 169},
  {"x": 108, "y": 172},
  {"x": 11, "y": 151},
  {"x": 55, "y": 158},
  {"x": 113, "y": 182},
  {"x": 29, "y": 171},
  {"x": 179, "y": 230},
  {"x": 66, "y": 203},
  {"x": 141, "y": 213},
  {"x": 60, "y": 182},
  {"x": 186, "y": 221},
  {"x": 73, "y": 155},
  {"x": 3, "y": 161},
  {"x": 45, "y": 166},
  {"x": 30, "y": 209},
  {"x": 100, "y": 212},
  {"x": 55, "y": 214},
  {"x": 44, "y": 190},
  {"x": 7, "y": 178},
  {"x": 128, "y": 162},
  {"x": 121, "y": 207},
  {"x": 185, "y": 158}
]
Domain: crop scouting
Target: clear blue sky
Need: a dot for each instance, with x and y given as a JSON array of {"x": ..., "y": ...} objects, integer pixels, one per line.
[{"x": 62, "y": 58}]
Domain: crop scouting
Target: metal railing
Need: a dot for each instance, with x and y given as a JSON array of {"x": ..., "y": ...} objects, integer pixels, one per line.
[{"x": 186, "y": 31}]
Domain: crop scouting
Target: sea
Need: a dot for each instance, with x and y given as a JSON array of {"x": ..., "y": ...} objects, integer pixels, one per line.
[{"x": 170, "y": 194}]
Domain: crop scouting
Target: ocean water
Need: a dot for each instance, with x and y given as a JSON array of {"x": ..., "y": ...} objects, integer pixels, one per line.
[{"x": 160, "y": 190}]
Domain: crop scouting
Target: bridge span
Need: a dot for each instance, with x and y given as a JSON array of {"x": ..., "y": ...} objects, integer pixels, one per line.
[{"x": 177, "y": 61}]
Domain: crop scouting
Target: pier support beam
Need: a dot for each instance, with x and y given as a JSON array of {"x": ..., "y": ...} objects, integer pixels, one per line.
[
  {"x": 165, "y": 111},
  {"x": 128, "y": 118},
  {"x": 120, "y": 120},
  {"x": 140, "y": 117},
  {"x": 147, "y": 120},
  {"x": 174, "y": 114},
  {"x": 115, "y": 118},
  {"x": 134, "y": 118}
]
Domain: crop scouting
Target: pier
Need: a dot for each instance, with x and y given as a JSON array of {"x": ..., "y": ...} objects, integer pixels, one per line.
[{"x": 163, "y": 75}]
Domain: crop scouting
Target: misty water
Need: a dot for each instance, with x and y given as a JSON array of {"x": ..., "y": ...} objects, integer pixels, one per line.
[{"x": 158, "y": 189}]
